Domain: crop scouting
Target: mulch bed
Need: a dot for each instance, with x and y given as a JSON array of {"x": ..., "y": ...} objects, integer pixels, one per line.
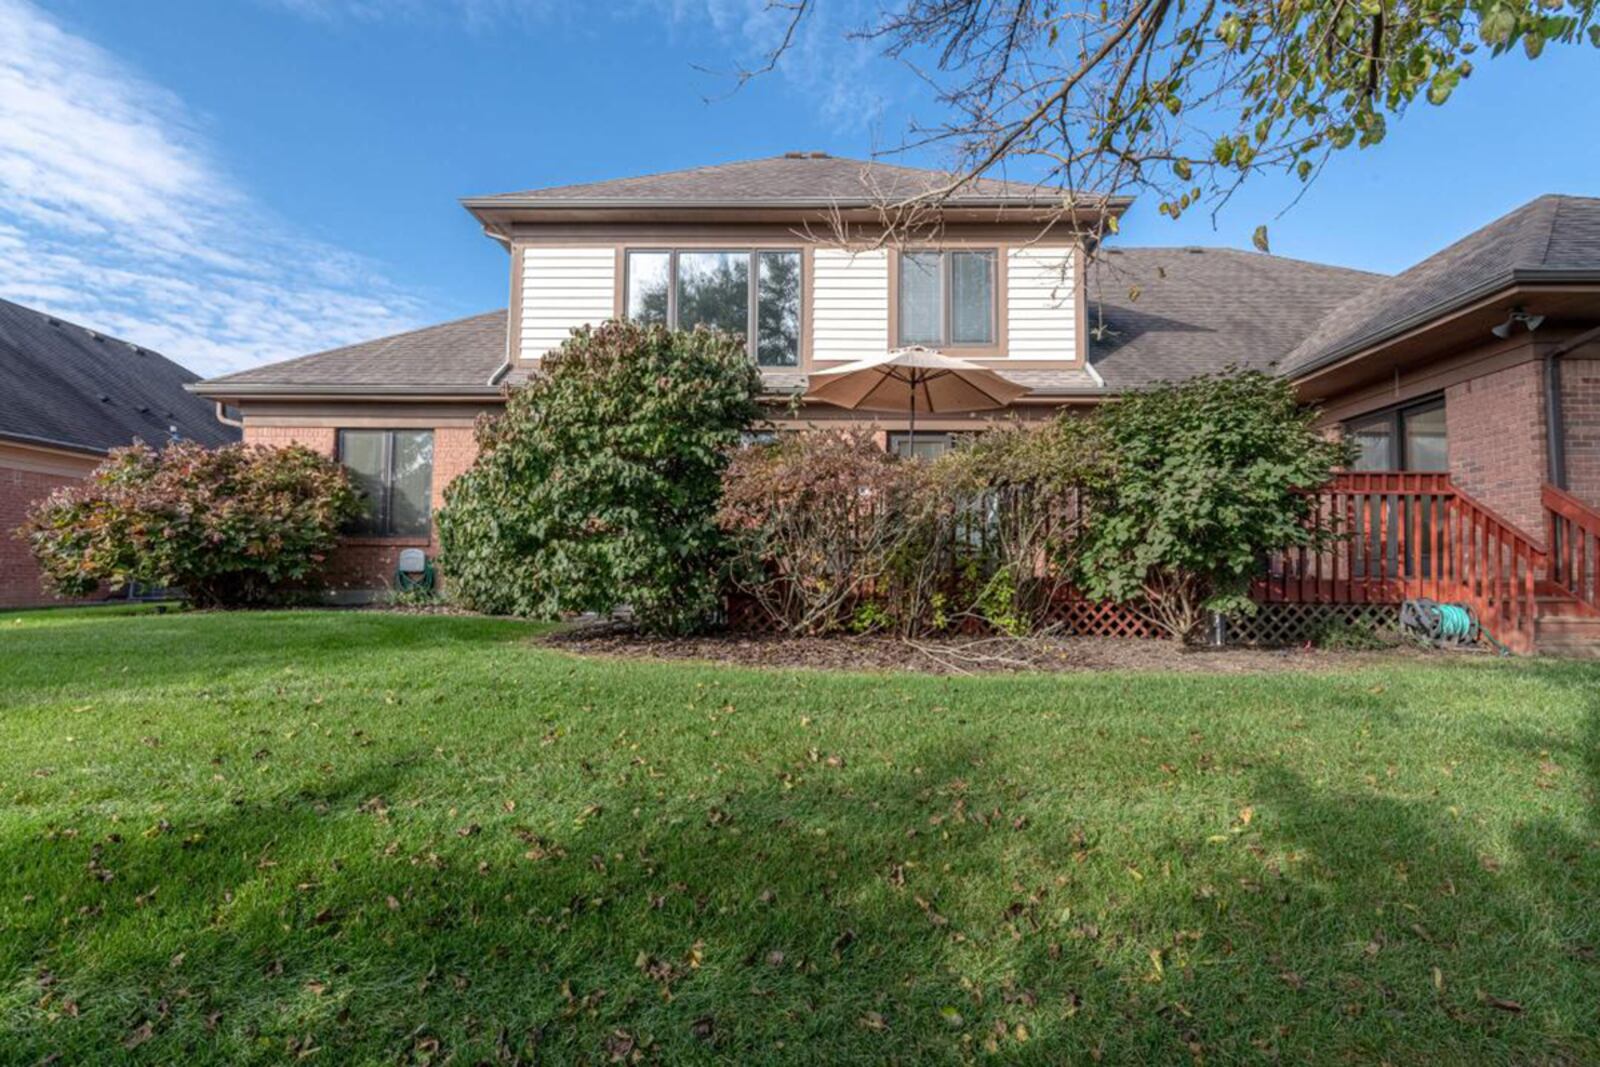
[{"x": 959, "y": 656}]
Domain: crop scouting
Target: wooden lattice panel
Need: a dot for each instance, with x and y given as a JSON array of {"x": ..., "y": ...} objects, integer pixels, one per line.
[
  {"x": 1077, "y": 617},
  {"x": 1295, "y": 624}
]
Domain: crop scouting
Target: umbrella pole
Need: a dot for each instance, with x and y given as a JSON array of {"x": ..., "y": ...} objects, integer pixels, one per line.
[{"x": 911, "y": 449}]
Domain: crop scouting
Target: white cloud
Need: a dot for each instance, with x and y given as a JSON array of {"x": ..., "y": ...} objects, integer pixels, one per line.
[{"x": 114, "y": 213}]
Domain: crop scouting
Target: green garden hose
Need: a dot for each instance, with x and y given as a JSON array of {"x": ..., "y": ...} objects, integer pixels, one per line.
[
  {"x": 1444, "y": 624},
  {"x": 422, "y": 579}
]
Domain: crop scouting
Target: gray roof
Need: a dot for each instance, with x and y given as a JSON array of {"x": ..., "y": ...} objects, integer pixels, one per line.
[
  {"x": 463, "y": 356},
  {"x": 64, "y": 385},
  {"x": 796, "y": 178},
  {"x": 1553, "y": 238},
  {"x": 1158, "y": 314}
]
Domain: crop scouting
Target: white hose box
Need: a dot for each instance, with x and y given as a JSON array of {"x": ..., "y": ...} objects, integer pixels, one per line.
[{"x": 412, "y": 561}]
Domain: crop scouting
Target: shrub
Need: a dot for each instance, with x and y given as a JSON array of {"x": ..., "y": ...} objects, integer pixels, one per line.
[
  {"x": 832, "y": 532},
  {"x": 1197, "y": 482},
  {"x": 598, "y": 486},
  {"x": 1012, "y": 497},
  {"x": 815, "y": 521},
  {"x": 227, "y": 525}
]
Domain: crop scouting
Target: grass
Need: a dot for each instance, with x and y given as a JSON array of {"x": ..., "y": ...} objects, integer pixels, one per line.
[{"x": 370, "y": 838}]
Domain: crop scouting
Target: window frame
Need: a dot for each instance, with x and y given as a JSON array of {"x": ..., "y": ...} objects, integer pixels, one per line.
[
  {"x": 384, "y": 524},
  {"x": 1395, "y": 415},
  {"x": 753, "y": 302},
  {"x": 994, "y": 345}
]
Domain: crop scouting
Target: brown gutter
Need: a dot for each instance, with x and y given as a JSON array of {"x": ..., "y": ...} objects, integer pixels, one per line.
[
  {"x": 51, "y": 442},
  {"x": 1395, "y": 330}
]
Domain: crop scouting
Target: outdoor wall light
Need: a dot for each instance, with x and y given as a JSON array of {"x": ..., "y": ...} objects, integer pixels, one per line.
[{"x": 1532, "y": 322}]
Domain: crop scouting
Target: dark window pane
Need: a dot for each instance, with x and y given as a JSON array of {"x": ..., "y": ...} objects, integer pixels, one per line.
[
  {"x": 714, "y": 290},
  {"x": 411, "y": 482},
  {"x": 362, "y": 453},
  {"x": 928, "y": 445},
  {"x": 648, "y": 279},
  {"x": 1426, "y": 443},
  {"x": 921, "y": 299},
  {"x": 1374, "y": 440},
  {"x": 971, "y": 298},
  {"x": 778, "y": 310}
]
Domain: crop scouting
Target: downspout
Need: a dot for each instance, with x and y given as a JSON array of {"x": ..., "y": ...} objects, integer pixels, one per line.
[
  {"x": 222, "y": 417},
  {"x": 1555, "y": 419},
  {"x": 1554, "y": 422}
]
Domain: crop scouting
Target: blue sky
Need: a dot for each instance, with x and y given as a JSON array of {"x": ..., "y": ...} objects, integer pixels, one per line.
[{"x": 234, "y": 181}]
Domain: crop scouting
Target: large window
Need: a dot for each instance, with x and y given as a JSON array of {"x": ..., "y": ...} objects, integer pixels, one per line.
[
  {"x": 947, "y": 299},
  {"x": 755, "y": 294},
  {"x": 393, "y": 469},
  {"x": 1410, "y": 438}
]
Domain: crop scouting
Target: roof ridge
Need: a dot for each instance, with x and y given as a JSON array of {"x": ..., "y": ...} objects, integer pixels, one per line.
[{"x": 1249, "y": 253}]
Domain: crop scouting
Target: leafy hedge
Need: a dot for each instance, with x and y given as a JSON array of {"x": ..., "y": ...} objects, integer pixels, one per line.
[
  {"x": 1197, "y": 482},
  {"x": 226, "y": 525},
  {"x": 599, "y": 483}
]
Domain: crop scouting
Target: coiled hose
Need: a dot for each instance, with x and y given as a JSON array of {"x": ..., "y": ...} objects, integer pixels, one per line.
[{"x": 1444, "y": 624}]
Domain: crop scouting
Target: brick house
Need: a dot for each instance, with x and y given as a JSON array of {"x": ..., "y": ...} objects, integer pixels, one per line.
[
  {"x": 68, "y": 396},
  {"x": 1482, "y": 361}
]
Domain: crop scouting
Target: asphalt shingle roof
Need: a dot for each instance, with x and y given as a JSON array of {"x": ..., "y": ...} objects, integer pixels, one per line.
[
  {"x": 799, "y": 177},
  {"x": 65, "y": 385},
  {"x": 464, "y": 354},
  {"x": 1163, "y": 314},
  {"x": 1549, "y": 236}
]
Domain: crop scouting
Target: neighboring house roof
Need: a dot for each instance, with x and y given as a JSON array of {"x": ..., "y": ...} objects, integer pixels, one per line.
[
  {"x": 464, "y": 356},
  {"x": 795, "y": 179},
  {"x": 1159, "y": 314},
  {"x": 70, "y": 387},
  {"x": 1552, "y": 239}
]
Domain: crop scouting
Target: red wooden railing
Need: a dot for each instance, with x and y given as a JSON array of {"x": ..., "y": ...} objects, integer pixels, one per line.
[
  {"x": 1388, "y": 536},
  {"x": 1572, "y": 530}
]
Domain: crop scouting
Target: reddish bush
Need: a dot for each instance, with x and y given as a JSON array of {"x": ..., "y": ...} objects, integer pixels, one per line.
[
  {"x": 816, "y": 524},
  {"x": 226, "y": 525}
]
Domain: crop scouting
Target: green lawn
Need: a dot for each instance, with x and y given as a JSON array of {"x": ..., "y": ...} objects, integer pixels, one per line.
[{"x": 369, "y": 838}]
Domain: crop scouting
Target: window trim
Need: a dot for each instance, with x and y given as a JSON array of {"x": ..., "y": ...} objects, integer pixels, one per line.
[
  {"x": 997, "y": 302},
  {"x": 753, "y": 309},
  {"x": 1395, "y": 415},
  {"x": 385, "y": 526}
]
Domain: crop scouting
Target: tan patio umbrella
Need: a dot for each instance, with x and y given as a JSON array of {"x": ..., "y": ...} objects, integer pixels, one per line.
[{"x": 911, "y": 380}]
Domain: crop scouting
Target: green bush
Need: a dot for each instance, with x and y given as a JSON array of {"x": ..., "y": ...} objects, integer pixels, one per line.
[
  {"x": 227, "y": 525},
  {"x": 599, "y": 484},
  {"x": 1196, "y": 482}
]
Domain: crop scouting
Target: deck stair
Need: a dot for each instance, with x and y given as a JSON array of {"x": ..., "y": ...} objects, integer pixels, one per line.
[{"x": 1410, "y": 534}]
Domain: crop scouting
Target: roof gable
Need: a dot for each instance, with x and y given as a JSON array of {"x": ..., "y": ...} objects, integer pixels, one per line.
[{"x": 64, "y": 385}]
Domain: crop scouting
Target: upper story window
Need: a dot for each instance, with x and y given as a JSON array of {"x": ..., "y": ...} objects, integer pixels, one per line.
[
  {"x": 947, "y": 299},
  {"x": 752, "y": 293},
  {"x": 393, "y": 470}
]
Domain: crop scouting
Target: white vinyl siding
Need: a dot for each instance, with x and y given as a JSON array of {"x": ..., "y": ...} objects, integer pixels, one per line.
[
  {"x": 849, "y": 304},
  {"x": 563, "y": 288},
  {"x": 1041, "y": 304}
]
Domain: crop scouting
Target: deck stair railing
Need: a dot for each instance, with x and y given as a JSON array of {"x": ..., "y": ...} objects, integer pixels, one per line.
[
  {"x": 1392, "y": 535},
  {"x": 1572, "y": 532}
]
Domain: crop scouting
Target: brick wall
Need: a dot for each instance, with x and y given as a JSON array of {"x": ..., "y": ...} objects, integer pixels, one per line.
[
  {"x": 20, "y": 586},
  {"x": 1497, "y": 433},
  {"x": 1580, "y": 410},
  {"x": 363, "y": 565}
]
